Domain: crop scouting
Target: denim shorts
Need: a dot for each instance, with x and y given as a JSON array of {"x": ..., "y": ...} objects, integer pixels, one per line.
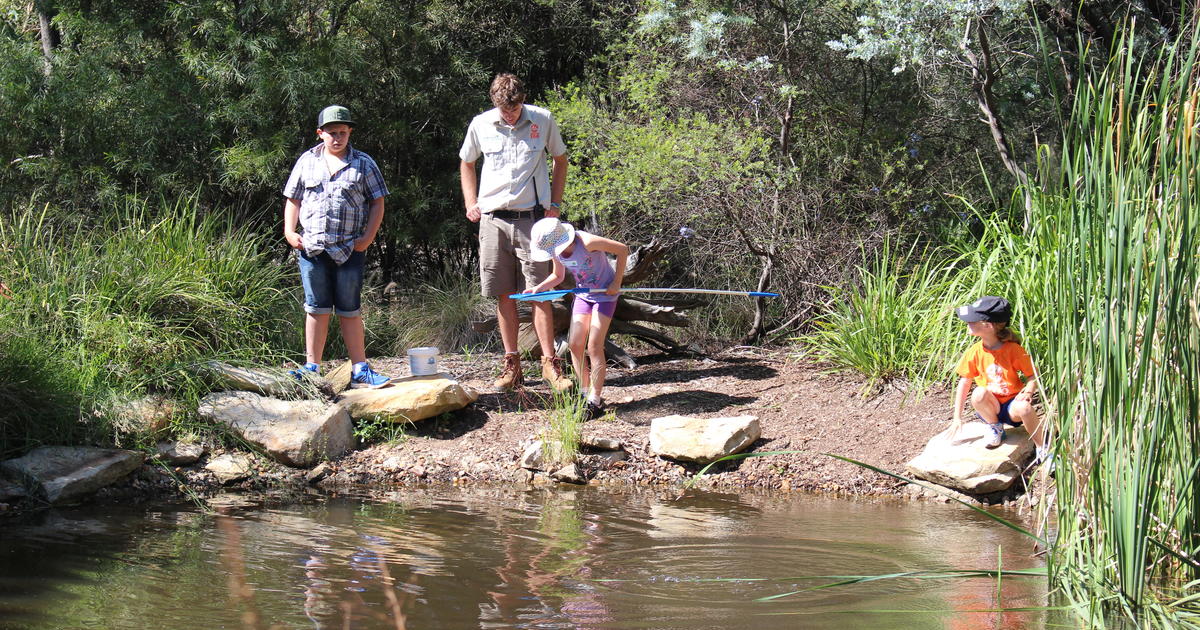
[{"x": 330, "y": 287}]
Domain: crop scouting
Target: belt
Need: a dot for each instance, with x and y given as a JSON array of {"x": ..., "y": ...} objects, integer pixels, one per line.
[{"x": 510, "y": 215}]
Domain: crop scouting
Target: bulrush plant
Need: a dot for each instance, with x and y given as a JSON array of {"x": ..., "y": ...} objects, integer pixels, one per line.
[
  {"x": 1119, "y": 237},
  {"x": 132, "y": 303}
]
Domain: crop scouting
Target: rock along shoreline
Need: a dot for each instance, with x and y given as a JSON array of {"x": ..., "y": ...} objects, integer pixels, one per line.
[{"x": 803, "y": 410}]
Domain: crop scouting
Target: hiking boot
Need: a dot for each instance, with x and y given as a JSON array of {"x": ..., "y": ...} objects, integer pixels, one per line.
[
  {"x": 304, "y": 371},
  {"x": 995, "y": 437},
  {"x": 594, "y": 410},
  {"x": 553, "y": 374},
  {"x": 365, "y": 377},
  {"x": 510, "y": 374}
]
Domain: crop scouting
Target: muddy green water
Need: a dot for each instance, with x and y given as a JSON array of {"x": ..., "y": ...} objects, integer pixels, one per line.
[{"x": 512, "y": 558}]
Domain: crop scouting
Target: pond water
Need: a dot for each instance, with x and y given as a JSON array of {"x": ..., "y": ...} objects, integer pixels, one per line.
[{"x": 445, "y": 557}]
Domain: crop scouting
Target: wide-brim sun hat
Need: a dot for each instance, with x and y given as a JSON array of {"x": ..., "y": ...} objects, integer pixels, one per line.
[{"x": 548, "y": 238}]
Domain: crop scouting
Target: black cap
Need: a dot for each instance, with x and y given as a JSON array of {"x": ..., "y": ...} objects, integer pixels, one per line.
[{"x": 988, "y": 308}]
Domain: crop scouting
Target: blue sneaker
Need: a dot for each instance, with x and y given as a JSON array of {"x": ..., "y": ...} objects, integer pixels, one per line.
[
  {"x": 308, "y": 369},
  {"x": 364, "y": 376},
  {"x": 996, "y": 438}
]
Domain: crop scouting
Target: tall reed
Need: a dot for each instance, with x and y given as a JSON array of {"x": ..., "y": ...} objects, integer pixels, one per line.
[{"x": 1118, "y": 234}]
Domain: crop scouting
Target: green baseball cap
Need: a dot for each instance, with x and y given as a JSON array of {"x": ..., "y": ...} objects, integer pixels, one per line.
[{"x": 334, "y": 114}]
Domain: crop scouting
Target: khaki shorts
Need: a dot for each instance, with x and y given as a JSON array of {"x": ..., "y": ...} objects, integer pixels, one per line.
[{"x": 504, "y": 263}]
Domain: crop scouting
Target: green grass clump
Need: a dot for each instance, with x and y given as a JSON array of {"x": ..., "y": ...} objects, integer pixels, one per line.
[
  {"x": 437, "y": 313},
  {"x": 107, "y": 311},
  {"x": 567, "y": 413},
  {"x": 887, "y": 326}
]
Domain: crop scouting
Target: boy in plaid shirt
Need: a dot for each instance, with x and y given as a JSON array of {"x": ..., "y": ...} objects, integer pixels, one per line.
[{"x": 336, "y": 193}]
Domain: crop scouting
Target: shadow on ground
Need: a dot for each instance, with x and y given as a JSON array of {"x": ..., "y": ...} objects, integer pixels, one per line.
[
  {"x": 640, "y": 412},
  {"x": 746, "y": 370}
]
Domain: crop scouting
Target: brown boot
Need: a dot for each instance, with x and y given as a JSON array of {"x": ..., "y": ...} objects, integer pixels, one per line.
[
  {"x": 552, "y": 372},
  {"x": 510, "y": 374}
]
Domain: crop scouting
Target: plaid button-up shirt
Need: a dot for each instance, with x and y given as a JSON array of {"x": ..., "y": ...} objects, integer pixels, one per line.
[{"x": 334, "y": 208}]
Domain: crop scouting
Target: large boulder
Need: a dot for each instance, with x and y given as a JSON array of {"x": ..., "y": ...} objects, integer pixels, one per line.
[
  {"x": 702, "y": 440},
  {"x": 295, "y": 433},
  {"x": 409, "y": 399},
  {"x": 963, "y": 463},
  {"x": 61, "y": 474}
]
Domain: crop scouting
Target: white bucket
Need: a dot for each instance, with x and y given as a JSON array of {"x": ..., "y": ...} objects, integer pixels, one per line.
[{"x": 423, "y": 361}]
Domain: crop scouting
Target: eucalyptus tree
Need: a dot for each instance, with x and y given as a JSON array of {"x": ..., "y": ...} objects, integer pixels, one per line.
[
  {"x": 1016, "y": 58},
  {"x": 814, "y": 152}
]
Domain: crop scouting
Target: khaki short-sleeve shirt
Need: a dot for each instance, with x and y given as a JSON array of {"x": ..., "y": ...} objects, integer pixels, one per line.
[{"x": 514, "y": 157}]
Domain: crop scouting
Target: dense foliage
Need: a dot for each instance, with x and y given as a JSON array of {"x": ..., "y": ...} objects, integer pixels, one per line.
[{"x": 788, "y": 119}]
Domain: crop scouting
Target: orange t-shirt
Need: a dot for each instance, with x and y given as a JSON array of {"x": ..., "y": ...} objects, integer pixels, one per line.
[{"x": 996, "y": 370}]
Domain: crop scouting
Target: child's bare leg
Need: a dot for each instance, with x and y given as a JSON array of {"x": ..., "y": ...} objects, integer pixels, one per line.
[
  {"x": 986, "y": 405},
  {"x": 576, "y": 341},
  {"x": 316, "y": 329},
  {"x": 596, "y": 336},
  {"x": 1023, "y": 412},
  {"x": 355, "y": 337}
]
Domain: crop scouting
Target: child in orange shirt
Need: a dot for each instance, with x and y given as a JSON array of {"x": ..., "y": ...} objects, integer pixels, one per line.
[{"x": 993, "y": 363}]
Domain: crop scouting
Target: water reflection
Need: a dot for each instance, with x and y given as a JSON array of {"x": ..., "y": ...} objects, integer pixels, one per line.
[{"x": 505, "y": 558}]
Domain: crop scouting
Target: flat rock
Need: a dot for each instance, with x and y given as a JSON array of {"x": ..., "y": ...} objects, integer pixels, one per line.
[
  {"x": 271, "y": 382},
  {"x": 702, "y": 440},
  {"x": 339, "y": 378},
  {"x": 409, "y": 399},
  {"x": 600, "y": 443},
  {"x": 294, "y": 433},
  {"x": 231, "y": 467},
  {"x": 180, "y": 453},
  {"x": 607, "y": 459},
  {"x": 318, "y": 472},
  {"x": 964, "y": 464},
  {"x": 568, "y": 474},
  {"x": 61, "y": 474}
]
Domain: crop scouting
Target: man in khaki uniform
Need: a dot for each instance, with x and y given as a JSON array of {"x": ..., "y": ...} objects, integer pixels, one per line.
[{"x": 514, "y": 192}]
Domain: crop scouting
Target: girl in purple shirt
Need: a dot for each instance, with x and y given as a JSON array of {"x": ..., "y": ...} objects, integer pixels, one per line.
[{"x": 585, "y": 255}]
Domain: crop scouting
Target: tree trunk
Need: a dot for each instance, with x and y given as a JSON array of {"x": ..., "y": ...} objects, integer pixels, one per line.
[
  {"x": 984, "y": 77},
  {"x": 48, "y": 33}
]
